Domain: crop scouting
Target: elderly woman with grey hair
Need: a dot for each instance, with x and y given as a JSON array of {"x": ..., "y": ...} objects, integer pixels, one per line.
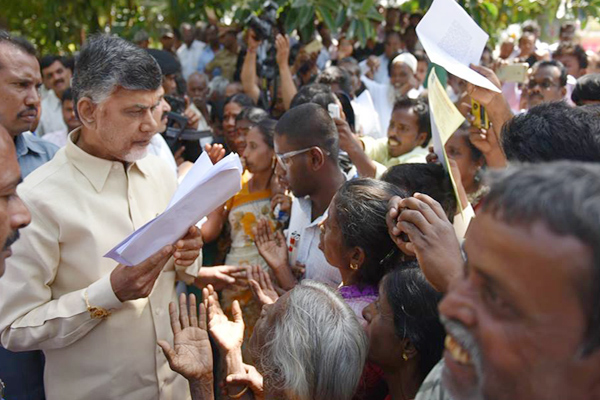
[{"x": 308, "y": 345}]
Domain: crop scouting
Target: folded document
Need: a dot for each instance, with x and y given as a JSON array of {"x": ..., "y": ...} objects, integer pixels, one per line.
[{"x": 205, "y": 187}]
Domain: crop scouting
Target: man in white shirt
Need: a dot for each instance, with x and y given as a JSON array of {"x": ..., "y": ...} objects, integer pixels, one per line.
[
  {"x": 98, "y": 321},
  {"x": 379, "y": 65},
  {"x": 190, "y": 50},
  {"x": 58, "y": 77},
  {"x": 59, "y": 138},
  {"x": 306, "y": 144}
]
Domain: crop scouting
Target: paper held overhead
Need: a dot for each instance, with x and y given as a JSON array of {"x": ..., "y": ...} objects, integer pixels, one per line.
[
  {"x": 205, "y": 187},
  {"x": 453, "y": 40}
]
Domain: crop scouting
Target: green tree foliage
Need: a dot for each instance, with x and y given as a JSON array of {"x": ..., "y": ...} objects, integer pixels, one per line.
[{"x": 62, "y": 26}]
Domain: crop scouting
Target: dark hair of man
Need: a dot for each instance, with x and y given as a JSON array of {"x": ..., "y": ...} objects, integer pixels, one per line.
[
  {"x": 108, "y": 62},
  {"x": 575, "y": 50},
  {"x": 48, "y": 60},
  {"x": 67, "y": 95},
  {"x": 552, "y": 131},
  {"x": 360, "y": 210},
  {"x": 421, "y": 109},
  {"x": 309, "y": 125},
  {"x": 20, "y": 43},
  {"x": 429, "y": 179},
  {"x": 414, "y": 304},
  {"x": 314, "y": 93},
  {"x": 567, "y": 26},
  {"x": 389, "y": 34},
  {"x": 554, "y": 63},
  {"x": 336, "y": 75},
  {"x": 587, "y": 88},
  {"x": 532, "y": 27},
  {"x": 420, "y": 56},
  {"x": 241, "y": 99},
  {"x": 565, "y": 196},
  {"x": 252, "y": 114},
  {"x": 266, "y": 127}
]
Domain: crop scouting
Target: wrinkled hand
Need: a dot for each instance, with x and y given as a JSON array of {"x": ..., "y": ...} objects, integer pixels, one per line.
[
  {"x": 348, "y": 139},
  {"x": 229, "y": 335},
  {"x": 261, "y": 285},
  {"x": 191, "y": 355},
  {"x": 136, "y": 282},
  {"x": 282, "y": 44},
  {"x": 187, "y": 249},
  {"x": 215, "y": 152},
  {"x": 219, "y": 277},
  {"x": 284, "y": 201},
  {"x": 252, "y": 378},
  {"x": 271, "y": 246},
  {"x": 431, "y": 237}
]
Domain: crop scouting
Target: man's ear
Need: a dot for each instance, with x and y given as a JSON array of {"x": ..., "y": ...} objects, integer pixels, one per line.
[
  {"x": 563, "y": 91},
  {"x": 421, "y": 138},
  {"x": 317, "y": 158},
  {"x": 86, "y": 111}
]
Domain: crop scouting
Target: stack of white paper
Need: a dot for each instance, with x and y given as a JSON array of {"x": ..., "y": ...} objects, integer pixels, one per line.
[
  {"x": 453, "y": 40},
  {"x": 205, "y": 187}
]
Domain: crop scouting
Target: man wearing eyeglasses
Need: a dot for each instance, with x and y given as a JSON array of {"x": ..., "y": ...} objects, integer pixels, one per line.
[{"x": 547, "y": 82}]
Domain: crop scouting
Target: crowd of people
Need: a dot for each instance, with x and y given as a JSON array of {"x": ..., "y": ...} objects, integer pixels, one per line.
[{"x": 352, "y": 264}]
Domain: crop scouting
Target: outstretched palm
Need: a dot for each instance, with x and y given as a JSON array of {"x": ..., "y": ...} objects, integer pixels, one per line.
[
  {"x": 228, "y": 334},
  {"x": 271, "y": 247},
  {"x": 191, "y": 355}
]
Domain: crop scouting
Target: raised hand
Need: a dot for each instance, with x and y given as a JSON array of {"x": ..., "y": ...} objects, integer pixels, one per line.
[
  {"x": 282, "y": 44},
  {"x": 191, "y": 354},
  {"x": 229, "y": 335},
  {"x": 261, "y": 285},
  {"x": 220, "y": 277},
  {"x": 187, "y": 249},
  {"x": 271, "y": 246}
]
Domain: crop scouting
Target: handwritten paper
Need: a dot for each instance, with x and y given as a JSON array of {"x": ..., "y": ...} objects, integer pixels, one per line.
[
  {"x": 445, "y": 120},
  {"x": 205, "y": 187},
  {"x": 453, "y": 40}
]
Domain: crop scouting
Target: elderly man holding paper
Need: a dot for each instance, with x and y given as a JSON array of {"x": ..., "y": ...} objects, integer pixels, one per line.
[{"x": 97, "y": 321}]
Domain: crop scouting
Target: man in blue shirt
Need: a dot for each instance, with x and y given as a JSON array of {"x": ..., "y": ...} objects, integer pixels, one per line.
[{"x": 20, "y": 80}]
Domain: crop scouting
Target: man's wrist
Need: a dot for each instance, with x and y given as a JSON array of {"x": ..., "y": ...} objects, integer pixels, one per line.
[{"x": 233, "y": 361}]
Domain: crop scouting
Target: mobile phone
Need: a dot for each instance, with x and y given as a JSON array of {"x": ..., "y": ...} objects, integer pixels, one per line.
[
  {"x": 481, "y": 120},
  {"x": 334, "y": 110},
  {"x": 513, "y": 73}
]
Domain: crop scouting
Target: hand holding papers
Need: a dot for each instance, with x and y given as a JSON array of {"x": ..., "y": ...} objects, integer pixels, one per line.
[
  {"x": 205, "y": 187},
  {"x": 454, "y": 41}
]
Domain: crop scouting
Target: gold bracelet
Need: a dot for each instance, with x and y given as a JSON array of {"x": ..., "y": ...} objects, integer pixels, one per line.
[
  {"x": 95, "y": 312},
  {"x": 240, "y": 394}
]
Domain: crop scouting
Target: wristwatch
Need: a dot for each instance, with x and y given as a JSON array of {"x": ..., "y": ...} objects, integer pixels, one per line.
[{"x": 95, "y": 312}]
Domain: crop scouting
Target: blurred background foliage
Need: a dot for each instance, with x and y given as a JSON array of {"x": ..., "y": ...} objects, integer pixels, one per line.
[{"x": 62, "y": 25}]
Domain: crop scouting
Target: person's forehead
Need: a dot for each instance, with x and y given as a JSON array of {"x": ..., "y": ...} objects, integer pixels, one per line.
[
  {"x": 17, "y": 63},
  {"x": 127, "y": 98},
  {"x": 539, "y": 269},
  {"x": 53, "y": 67}
]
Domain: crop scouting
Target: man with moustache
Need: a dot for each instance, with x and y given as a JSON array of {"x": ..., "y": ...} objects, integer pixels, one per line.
[
  {"x": 98, "y": 321},
  {"x": 522, "y": 317},
  {"x": 20, "y": 80},
  {"x": 58, "y": 78},
  {"x": 547, "y": 82}
]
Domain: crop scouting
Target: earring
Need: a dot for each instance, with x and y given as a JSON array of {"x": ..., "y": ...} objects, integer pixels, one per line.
[
  {"x": 353, "y": 266},
  {"x": 404, "y": 357}
]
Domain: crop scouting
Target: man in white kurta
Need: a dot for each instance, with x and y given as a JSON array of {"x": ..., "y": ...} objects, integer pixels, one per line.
[{"x": 82, "y": 205}]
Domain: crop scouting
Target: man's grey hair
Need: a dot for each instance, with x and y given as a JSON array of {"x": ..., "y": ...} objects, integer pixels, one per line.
[
  {"x": 108, "y": 62},
  {"x": 218, "y": 86},
  {"x": 565, "y": 196},
  {"x": 317, "y": 349}
]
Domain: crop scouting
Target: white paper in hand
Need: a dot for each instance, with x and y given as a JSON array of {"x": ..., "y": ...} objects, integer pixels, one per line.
[
  {"x": 205, "y": 187},
  {"x": 453, "y": 40}
]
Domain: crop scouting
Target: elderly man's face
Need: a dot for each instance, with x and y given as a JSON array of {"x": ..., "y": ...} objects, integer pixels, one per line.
[
  {"x": 197, "y": 87},
  {"x": 544, "y": 86},
  {"x": 20, "y": 80},
  {"x": 13, "y": 213},
  {"x": 124, "y": 124},
  {"x": 515, "y": 320}
]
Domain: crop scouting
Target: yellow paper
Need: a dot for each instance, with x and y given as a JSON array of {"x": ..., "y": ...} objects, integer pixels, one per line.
[{"x": 447, "y": 117}]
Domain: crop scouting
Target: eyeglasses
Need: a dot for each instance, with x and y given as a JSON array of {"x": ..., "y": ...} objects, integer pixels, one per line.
[
  {"x": 285, "y": 159},
  {"x": 544, "y": 85}
]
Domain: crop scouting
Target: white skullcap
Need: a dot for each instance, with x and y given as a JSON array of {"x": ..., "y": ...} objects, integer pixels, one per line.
[{"x": 407, "y": 59}]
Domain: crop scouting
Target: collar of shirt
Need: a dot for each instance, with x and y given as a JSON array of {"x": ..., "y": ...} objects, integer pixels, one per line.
[
  {"x": 95, "y": 169},
  {"x": 24, "y": 144}
]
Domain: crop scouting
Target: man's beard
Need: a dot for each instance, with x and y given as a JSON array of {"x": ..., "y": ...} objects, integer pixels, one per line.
[{"x": 13, "y": 237}]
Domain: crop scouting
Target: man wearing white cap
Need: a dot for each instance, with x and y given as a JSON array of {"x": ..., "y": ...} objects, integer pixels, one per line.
[{"x": 403, "y": 82}]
